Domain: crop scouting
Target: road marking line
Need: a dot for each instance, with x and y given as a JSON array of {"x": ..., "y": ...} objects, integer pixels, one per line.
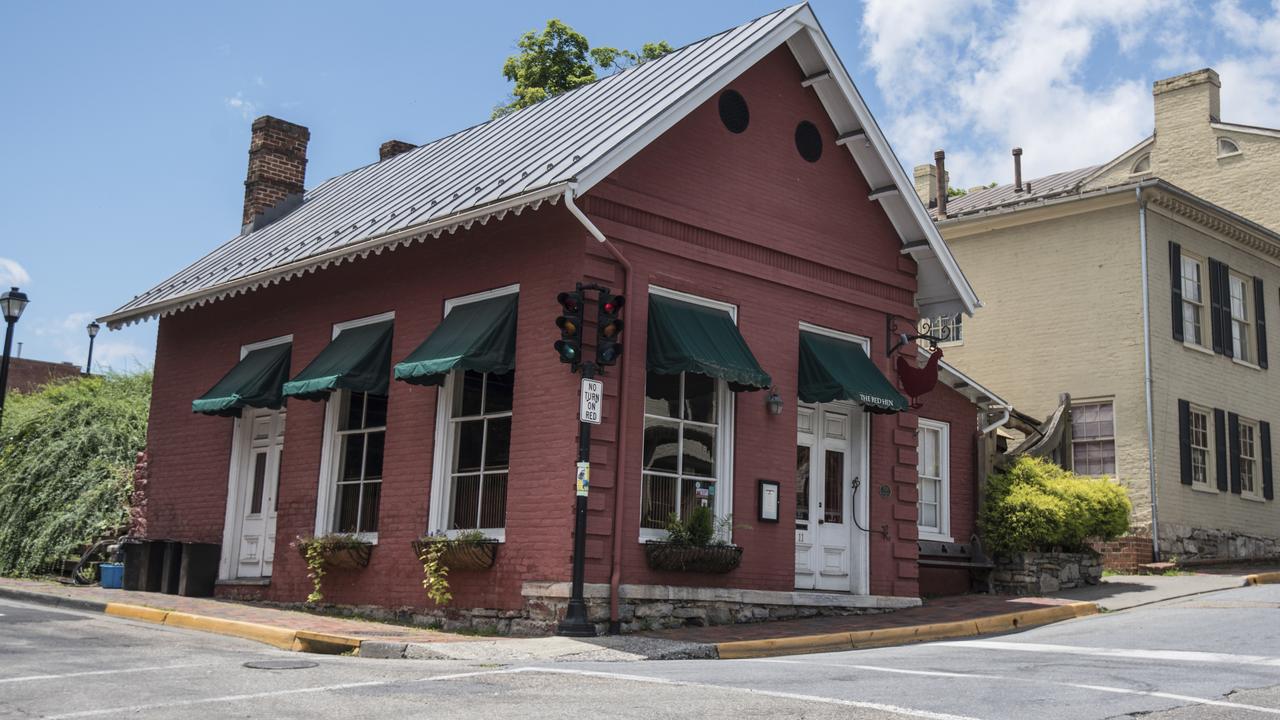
[
  {"x": 912, "y": 712},
  {"x": 1082, "y": 686},
  {"x": 27, "y": 678},
  {"x": 1174, "y": 655}
]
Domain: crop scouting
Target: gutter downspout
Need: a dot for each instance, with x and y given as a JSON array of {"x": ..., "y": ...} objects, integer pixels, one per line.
[
  {"x": 624, "y": 393},
  {"x": 1146, "y": 343},
  {"x": 1008, "y": 410}
]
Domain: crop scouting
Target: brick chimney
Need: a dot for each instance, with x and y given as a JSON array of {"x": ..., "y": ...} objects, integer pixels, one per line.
[
  {"x": 392, "y": 148},
  {"x": 926, "y": 177},
  {"x": 277, "y": 168}
]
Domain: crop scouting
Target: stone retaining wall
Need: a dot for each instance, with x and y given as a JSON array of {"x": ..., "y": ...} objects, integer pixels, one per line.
[
  {"x": 1036, "y": 573},
  {"x": 1183, "y": 542}
]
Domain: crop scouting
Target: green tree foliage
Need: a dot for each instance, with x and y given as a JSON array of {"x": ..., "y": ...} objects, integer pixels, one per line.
[
  {"x": 67, "y": 453},
  {"x": 559, "y": 59},
  {"x": 1036, "y": 505}
]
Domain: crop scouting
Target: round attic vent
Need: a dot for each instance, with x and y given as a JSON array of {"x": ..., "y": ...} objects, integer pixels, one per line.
[
  {"x": 808, "y": 141},
  {"x": 733, "y": 111}
]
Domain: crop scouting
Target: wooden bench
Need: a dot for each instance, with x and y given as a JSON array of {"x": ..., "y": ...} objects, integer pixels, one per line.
[{"x": 940, "y": 554}]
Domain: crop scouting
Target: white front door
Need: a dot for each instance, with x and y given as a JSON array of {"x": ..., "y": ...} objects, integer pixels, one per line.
[
  {"x": 829, "y": 457},
  {"x": 259, "y": 475}
]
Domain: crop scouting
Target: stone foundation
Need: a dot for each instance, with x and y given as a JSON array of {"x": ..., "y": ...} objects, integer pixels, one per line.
[
  {"x": 1183, "y": 543},
  {"x": 641, "y": 607},
  {"x": 1037, "y": 573}
]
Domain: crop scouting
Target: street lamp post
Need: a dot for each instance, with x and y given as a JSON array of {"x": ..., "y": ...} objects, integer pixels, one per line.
[
  {"x": 12, "y": 303},
  {"x": 93, "y": 329}
]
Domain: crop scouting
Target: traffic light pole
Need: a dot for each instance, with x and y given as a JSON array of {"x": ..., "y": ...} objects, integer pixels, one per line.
[{"x": 575, "y": 622}]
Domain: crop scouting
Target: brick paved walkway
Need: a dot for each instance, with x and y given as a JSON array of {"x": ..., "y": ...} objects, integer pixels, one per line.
[
  {"x": 230, "y": 610},
  {"x": 940, "y": 610}
]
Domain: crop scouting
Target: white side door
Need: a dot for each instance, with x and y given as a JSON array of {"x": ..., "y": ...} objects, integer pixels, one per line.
[
  {"x": 258, "y": 484},
  {"x": 825, "y": 444}
]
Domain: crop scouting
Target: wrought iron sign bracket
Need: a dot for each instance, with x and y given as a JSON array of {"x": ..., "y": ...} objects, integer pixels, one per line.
[{"x": 892, "y": 333}]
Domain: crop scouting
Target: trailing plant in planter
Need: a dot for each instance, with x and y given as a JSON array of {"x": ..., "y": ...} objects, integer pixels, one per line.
[
  {"x": 695, "y": 544},
  {"x": 470, "y": 550},
  {"x": 326, "y": 552}
]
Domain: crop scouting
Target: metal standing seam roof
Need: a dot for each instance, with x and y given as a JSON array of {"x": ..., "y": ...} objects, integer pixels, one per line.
[
  {"x": 518, "y": 161},
  {"x": 1002, "y": 195}
]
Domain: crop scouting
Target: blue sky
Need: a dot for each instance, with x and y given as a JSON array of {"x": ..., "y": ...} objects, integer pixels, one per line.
[{"x": 125, "y": 140}]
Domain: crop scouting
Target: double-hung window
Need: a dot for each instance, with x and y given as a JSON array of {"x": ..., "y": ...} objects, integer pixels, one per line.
[
  {"x": 1192, "y": 300},
  {"x": 1248, "y": 454},
  {"x": 932, "y": 468},
  {"x": 683, "y": 436},
  {"x": 361, "y": 436},
  {"x": 480, "y": 449},
  {"x": 1241, "y": 324},
  {"x": 948, "y": 328},
  {"x": 1201, "y": 452},
  {"x": 1093, "y": 443}
]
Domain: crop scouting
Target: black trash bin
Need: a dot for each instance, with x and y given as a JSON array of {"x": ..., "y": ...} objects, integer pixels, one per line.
[
  {"x": 169, "y": 579},
  {"x": 137, "y": 557},
  {"x": 199, "y": 569}
]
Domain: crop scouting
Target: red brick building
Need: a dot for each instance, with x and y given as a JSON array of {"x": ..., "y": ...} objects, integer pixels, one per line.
[
  {"x": 27, "y": 375},
  {"x": 402, "y": 316}
]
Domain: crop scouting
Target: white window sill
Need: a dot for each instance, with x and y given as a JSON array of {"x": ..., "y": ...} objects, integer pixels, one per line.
[
  {"x": 936, "y": 537},
  {"x": 1237, "y": 153},
  {"x": 1198, "y": 348},
  {"x": 1245, "y": 363},
  {"x": 499, "y": 534},
  {"x": 1206, "y": 489},
  {"x": 951, "y": 343},
  {"x": 1253, "y": 498}
]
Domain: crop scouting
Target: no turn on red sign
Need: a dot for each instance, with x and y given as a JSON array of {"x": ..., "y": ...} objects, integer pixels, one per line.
[{"x": 592, "y": 401}]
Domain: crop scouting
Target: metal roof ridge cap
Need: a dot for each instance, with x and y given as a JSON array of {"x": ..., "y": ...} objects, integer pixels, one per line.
[
  {"x": 551, "y": 192},
  {"x": 1053, "y": 199}
]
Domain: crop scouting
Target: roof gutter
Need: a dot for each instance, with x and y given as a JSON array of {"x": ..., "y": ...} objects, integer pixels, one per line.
[
  {"x": 624, "y": 395},
  {"x": 375, "y": 245}
]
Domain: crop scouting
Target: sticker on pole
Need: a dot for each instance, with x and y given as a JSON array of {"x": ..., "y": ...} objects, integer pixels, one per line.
[
  {"x": 592, "y": 401},
  {"x": 584, "y": 478}
]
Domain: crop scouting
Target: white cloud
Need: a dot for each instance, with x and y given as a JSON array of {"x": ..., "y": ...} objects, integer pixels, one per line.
[
  {"x": 12, "y": 274},
  {"x": 247, "y": 108},
  {"x": 1250, "y": 73}
]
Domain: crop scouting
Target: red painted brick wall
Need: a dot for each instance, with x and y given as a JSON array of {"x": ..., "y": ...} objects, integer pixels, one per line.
[
  {"x": 948, "y": 406},
  {"x": 739, "y": 218},
  {"x": 28, "y": 375}
]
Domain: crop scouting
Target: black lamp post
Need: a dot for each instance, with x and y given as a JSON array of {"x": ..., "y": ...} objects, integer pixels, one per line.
[
  {"x": 93, "y": 329},
  {"x": 12, "y": 303}
]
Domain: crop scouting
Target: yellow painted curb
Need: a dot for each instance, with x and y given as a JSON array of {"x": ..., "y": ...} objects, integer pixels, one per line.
[
  {"x": 277, "y": 637},
  {"x": 884, "y": 637},
  {"x": 137, "y": 612},
  {"x": 324, "y": 643},
  {"x": 1266, "y": 578}
]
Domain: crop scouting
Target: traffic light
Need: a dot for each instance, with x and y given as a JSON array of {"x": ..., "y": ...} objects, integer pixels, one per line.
[
  {"x": 609, "y": 329},
  {"x": 569, "y": 346}
]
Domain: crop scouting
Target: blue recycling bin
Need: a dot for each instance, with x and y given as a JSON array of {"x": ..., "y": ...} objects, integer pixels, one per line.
[{"x": 112, "y": 575}]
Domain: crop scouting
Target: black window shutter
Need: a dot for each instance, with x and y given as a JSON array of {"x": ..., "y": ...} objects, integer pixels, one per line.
[
  {"x": 1184, "y": 439},
  {"x": 1264, "y": 429},
  {"x": 1233, "y": 427},
  {"x": 1175, "y": 286},
  {"x": 1215, "y": 304},
  {"x": 1260, "y": 320},
  {"x": 1224, "y": 286},
  {"x": 1220, "y": 447}
]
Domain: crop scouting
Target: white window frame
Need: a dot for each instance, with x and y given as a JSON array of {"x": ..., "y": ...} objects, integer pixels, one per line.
[
  {"x": 1242, "y": 347},
  {"x": 1114, "y": 433},
  {"x": 1143, "y": 158},
  {"x": 327, "y": 495},
  {"x": 942, "y": 531},
  {"x": 724, "y": 446},
  {"x": 938, "y": 322},
  {"x": 442, "y": 454},
  {"x": 1209, "y": 484},
  {"x": 239, "y": 432},
  {"x": 1198, "y": 308},
  {"x": 1254, "y": 461},
  {"x": 1229, "y": 153}
]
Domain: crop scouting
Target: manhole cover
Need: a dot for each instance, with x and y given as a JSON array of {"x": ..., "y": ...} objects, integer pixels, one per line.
[{"x": 281, "y": 664}]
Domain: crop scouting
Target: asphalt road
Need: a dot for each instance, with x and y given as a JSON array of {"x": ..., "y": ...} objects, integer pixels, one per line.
[{"x": 1211, "y": 656}]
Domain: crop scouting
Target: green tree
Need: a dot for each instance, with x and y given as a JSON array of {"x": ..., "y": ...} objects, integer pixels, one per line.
[
  {"x": 67, "y": 453},
  {"x": 559, "y": 59}
]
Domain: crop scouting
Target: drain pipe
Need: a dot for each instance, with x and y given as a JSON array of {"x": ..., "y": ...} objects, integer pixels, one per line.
[
  {"x": 624, "y": 394},
  {"x": 999, "y": 423},
  {"x": 1146, "y": 344}
]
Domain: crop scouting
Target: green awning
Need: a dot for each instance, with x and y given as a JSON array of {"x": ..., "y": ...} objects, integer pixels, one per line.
[
  {"x": 687, "y": 337},
  {"x": 479, "y": 336},
  {"x": 835, "y": 369},
  {"x": 254, "y": 382},
  {"x": 359, "y": 359}
]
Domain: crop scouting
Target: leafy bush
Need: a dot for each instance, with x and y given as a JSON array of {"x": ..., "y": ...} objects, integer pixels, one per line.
[
  {"x": 1036, "y": 505},
  {"x": 67, "y": 453}
]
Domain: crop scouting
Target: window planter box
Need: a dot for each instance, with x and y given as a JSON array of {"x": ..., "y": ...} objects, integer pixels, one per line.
[
  {"x": 712, "y": 559},
  {"x": 347, "y": 557},
  {"x": 463, "y": 555}
]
